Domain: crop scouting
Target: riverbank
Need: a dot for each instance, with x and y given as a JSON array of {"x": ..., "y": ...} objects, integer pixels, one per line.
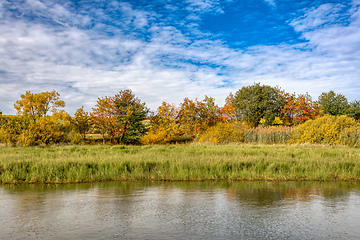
[{"x": 70, "y": 164}]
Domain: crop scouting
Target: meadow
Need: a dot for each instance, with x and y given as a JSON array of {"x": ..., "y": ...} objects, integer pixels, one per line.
[{"x": 89, "y": 163}]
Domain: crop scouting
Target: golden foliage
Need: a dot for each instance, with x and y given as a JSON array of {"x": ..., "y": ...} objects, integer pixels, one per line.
[
  {"x": 46, "y": 130},
  {"x": 36, "y": 105},
  {"x": 224, "y": 133},
  {"x": 323, "y": 130},
  {"x": 163, "y": 127}
]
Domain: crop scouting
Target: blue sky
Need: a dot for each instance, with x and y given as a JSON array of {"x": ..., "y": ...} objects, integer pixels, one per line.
[{"x": 167, "y": 50}]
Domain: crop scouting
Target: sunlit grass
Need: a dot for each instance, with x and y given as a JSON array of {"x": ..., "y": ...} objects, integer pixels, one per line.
[{"x": 178, "y": 162}]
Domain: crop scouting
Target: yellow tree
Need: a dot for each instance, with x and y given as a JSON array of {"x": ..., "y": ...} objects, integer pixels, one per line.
[
  {"x": 209, "y": 113},
  {"x": 82, "y": 121},
  {"x": 163, "y": 127},
  {"x": 187, "y": 118},
  {"x": 195, "y": 117},
  {"x": 36, "y": 105},
  {"x": 42, "y": 129},
  {"x": 102, "y": 118}
]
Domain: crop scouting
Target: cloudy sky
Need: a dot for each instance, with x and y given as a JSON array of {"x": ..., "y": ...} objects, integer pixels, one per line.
[{"x": 165, "y": 50}]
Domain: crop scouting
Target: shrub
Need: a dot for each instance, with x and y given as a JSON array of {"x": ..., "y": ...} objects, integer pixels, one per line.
[
  {"x": 11, "y": 127},
  {"x": 350, "y": 136},
  {"x": 323, "y": 130},
  {"x": 159, "y": 135},
  {"x": 224, "y": 133}
]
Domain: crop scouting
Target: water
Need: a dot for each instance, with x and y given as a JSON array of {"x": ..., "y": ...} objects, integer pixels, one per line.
[{"x": 181, "y": 210}]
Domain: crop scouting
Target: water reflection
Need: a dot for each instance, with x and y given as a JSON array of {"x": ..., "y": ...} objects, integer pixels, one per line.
[{"x": 181, "y": 210}]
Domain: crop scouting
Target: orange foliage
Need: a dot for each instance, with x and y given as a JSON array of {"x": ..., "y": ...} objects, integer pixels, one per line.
[
  {"x": 228, "y": 112},
  {"x": 81, "y": 121},
  {"x": 299, "y": 109}
]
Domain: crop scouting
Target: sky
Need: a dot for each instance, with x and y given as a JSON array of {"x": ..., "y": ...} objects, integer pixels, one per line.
[{"x": 166, "y": 50}]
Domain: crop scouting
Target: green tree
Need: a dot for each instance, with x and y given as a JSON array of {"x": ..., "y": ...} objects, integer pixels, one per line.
[
  {"x": 354, "y": 110},
  {"x": 258, "y": 102},
  {"x": 130, "y": 113},
  {"x": 333, "y": 103}
]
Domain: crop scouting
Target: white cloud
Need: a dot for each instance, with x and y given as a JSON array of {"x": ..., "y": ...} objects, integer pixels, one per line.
[
  {"x": 160, "y": 61},
  {"x": 203, "y": 6}
]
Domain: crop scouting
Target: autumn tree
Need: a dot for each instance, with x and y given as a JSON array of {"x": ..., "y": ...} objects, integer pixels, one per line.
[
  {"x": 163, "y": 127},
  {"x": 42, "y": 129},
  {"x": 196, "y": 116},
  {"x": 298, "y": 109},
  {"x": 129, "y": 112},
  {"x": 102, "y": 117},
  {"x": 120, "y": 117},
  {"x": 81, "y": 121},
  {"x": 36, "y": 105},
  {"x": 209, "y": 113},
  {"x": 187, "y": 117},
  {"x": 333, "y": 103},
  {"x": 227, "y": 112},
  {"x": 258, "y": 102}
]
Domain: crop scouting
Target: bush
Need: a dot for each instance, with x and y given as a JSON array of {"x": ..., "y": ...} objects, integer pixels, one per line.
[
  {"x": 350, "y": 137},
  {"x": 224, "y": 133},
  {"x": 324, "y": 130},
  {"x": 11, "y": 127},
  {"x": 46, "y": 130}
]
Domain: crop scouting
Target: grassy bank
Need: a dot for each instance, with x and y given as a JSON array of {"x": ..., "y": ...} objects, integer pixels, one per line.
[{"x": 178, "y": 162}]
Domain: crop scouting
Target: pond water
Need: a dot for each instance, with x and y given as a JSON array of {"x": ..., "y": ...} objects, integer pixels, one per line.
[{"x": 181, "y": 210}]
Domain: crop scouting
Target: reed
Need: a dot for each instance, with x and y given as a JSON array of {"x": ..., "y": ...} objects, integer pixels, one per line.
[
  {"x": 68, "y": 164},
  {"x": 268, "y": 135}
]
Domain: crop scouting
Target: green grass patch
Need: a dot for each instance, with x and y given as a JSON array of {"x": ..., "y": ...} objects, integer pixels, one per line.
[{"x": 67, "y": 164}]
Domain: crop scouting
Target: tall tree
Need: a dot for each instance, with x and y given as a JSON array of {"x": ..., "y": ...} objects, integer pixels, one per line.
[
  {"x": 256, "y": 102},
  {"x": 120, "y": 117},
  {"x": 333, "y": 103},
  {"x": 209, "y": 113},
  {"x": 129, "y": 112},
  {"x": 36, "y": 105},
  {"x": 82, "y": 121},
  {"x": 102, "y": 118},
  {"x": 187, "y": 117}
]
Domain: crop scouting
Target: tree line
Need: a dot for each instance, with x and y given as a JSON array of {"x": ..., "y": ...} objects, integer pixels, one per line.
[{"x": 124, "y": 118}]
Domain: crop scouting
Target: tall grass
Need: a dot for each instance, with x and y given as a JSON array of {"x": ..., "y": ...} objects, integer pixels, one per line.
[
  {"x": 268, "y": 135},
  {"x": 67, "y": 164}
]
